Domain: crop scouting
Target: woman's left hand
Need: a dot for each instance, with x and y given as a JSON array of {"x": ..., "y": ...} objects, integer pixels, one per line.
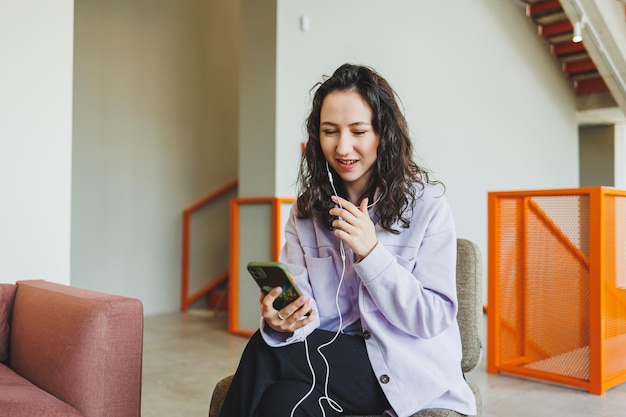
[{"x": 354, "y": 226}]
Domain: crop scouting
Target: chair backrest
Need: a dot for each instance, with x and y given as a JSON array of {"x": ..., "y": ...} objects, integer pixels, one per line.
[{"x": 469, "y": 275}]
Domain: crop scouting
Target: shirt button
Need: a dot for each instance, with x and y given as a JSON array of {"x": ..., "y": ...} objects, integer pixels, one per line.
[
  {"x": 384, "y": 379},
  {"x": 367, "y": 334}
]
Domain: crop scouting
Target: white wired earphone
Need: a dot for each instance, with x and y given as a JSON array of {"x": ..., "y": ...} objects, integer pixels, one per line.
[{"x": 333, "y": 404}]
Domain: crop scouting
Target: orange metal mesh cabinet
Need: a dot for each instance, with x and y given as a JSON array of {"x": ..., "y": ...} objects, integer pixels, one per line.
[{"x": 557, "y": 286}]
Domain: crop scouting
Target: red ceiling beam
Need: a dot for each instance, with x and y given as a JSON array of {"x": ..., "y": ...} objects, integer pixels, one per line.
[
  {"x": 567, "y": 48},
  {"x": 543, "y": 7},
  {"x": 576, "y": 67},
  {"x": 590, "y": 85},
  {"x": 550, "y": 29}
]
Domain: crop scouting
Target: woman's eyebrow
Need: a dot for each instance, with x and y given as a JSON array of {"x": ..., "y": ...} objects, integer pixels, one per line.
[{"x": 351, "y": 124}]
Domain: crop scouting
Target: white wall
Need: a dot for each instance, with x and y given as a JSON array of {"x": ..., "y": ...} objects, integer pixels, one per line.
[
  {"x": 156, "y": 118},
  {"x": 155, "y": 130},
  {"x": 35, "y": 139},
  {"x": 487, "y": 104}
]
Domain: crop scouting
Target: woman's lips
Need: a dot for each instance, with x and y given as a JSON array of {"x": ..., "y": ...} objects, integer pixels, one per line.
[{"x": 347, "y": 164}]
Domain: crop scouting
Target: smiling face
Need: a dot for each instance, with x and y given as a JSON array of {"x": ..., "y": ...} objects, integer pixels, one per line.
[{"x": 348, "y": 139}]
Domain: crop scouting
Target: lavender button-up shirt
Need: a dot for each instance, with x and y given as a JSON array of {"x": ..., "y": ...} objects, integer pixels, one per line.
[{"x": 403, "y": 295}]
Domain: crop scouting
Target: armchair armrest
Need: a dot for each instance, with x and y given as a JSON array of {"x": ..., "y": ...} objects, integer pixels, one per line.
[{"x": 82, "y": 346}]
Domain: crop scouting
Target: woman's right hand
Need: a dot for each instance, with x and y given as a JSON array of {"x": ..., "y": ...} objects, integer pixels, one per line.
[{"x": 289, "y": 318}]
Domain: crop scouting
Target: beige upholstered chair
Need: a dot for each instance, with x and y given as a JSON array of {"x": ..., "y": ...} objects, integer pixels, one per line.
[{"x": 469, "y": 274}]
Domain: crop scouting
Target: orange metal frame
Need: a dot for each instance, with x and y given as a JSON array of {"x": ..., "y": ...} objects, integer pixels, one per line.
[
  {"x": 233, "y": 292},
  {"x": 186, "y": 300},
  {"x": 598, "y": 382}
]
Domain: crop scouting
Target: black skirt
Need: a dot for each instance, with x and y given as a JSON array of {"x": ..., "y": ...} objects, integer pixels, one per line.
[{"x": 270, "y": 381}]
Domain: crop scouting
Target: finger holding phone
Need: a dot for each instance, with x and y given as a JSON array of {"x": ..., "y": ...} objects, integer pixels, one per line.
[
  {"x": 283, "y": 306},
  {"x": 293, "y": 316}
]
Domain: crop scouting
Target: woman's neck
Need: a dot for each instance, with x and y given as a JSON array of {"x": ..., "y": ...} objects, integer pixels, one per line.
[
  {"x": 355, "y": 191},
  {"x": 354, "y": 197}
]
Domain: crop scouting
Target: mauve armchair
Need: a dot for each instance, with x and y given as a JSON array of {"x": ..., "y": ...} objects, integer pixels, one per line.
[{"x": 69, "y": 352}]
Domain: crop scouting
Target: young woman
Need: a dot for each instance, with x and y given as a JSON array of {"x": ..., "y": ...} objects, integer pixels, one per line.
[{"x": 372, "y": 245}]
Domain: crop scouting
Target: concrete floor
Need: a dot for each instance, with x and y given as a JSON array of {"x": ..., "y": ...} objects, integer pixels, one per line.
[{"x": 186, "y": 354}]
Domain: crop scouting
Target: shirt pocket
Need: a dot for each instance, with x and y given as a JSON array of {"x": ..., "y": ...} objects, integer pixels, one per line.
[{"x": 324, "y": 282}]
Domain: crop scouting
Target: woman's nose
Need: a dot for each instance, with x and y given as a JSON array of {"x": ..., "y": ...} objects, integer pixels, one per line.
[{"x": 344, "y": 144}]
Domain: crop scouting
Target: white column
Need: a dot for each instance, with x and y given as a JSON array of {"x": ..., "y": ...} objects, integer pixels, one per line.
[
  {"x": 257, "y": 154},
  {"x": 36, "y": 52},
  {"x": 620, "y": 156}
]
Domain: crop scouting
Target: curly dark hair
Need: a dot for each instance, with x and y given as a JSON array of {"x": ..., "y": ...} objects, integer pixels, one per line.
[{"x": 395, "y": 173}]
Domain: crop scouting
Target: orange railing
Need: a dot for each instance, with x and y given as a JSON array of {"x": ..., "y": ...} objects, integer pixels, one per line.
[
  {"x": 276, "y": 222},
  {"x": 557, "y": 286},
  {"x": 186, "y": 298}
]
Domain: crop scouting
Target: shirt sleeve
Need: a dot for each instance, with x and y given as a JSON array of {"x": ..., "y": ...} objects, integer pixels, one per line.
[{"x": 420, "y": 301}]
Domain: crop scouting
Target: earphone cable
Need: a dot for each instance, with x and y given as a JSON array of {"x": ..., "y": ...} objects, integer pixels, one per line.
[
  {"x": 333, "y": 404},
  {"x": 308, "y": 361},
  {"x": 326, "y": 397}
]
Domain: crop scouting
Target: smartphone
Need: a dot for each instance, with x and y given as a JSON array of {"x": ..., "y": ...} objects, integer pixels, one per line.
[{"x": 269, "y": 275}]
